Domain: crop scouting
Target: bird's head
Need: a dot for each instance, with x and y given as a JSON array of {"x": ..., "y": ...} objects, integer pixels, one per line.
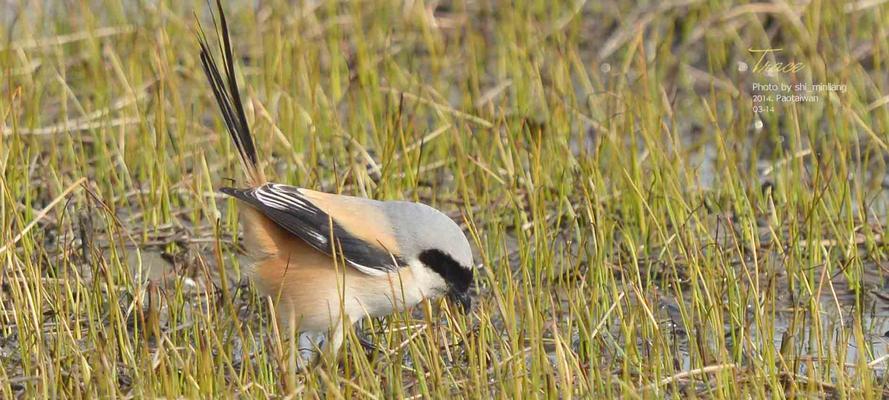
[{"x": 437, "y": 242}]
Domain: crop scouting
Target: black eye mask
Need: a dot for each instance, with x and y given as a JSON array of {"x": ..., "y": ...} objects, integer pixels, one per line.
[{"x": 458, "y": 277}]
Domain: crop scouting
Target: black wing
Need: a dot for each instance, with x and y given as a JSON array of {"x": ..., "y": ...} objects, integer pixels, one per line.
[{"x": 288, "y": 208}]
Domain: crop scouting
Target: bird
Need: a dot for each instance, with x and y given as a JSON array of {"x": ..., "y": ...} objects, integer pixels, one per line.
[{"x": 330, "y": 260}]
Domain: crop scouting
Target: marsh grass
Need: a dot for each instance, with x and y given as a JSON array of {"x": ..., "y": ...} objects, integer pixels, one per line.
[{"x": 641, "y": 232}]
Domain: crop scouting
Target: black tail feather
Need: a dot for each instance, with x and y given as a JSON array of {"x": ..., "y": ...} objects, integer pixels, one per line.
[{"x": 228, "y": 97}]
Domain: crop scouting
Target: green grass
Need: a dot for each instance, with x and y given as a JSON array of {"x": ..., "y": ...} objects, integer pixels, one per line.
[{"x": 642, "y": 233}]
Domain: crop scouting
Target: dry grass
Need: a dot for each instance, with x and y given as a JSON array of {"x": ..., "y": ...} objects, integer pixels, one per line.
[{"x": 643, "y": 232}]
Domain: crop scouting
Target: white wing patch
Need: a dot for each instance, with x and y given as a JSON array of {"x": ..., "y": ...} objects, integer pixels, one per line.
[
  {"x": 317, "y": 236},
  {"x": 279, "y": 197},
  {"x": 367, "y": 270}
]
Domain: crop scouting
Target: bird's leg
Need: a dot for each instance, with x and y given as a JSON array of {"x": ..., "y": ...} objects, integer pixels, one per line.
[
  {"x": 331, "y": 347},
  {"x": 365, "y": 341},
  {"x": 307, "y": 351}
]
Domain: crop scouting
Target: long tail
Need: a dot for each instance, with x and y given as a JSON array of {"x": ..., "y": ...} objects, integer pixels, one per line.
[{"x": 228, "y": 98}]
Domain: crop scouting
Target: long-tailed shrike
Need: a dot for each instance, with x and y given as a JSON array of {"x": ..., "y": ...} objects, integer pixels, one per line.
[{"x": 330, "y": 258}]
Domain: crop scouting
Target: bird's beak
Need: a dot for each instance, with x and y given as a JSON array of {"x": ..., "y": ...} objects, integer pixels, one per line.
[{"x": 463, "y": 299}]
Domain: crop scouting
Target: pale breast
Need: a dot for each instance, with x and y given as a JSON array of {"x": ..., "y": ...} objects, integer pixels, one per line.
[{"x": 311, "y": 291}]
